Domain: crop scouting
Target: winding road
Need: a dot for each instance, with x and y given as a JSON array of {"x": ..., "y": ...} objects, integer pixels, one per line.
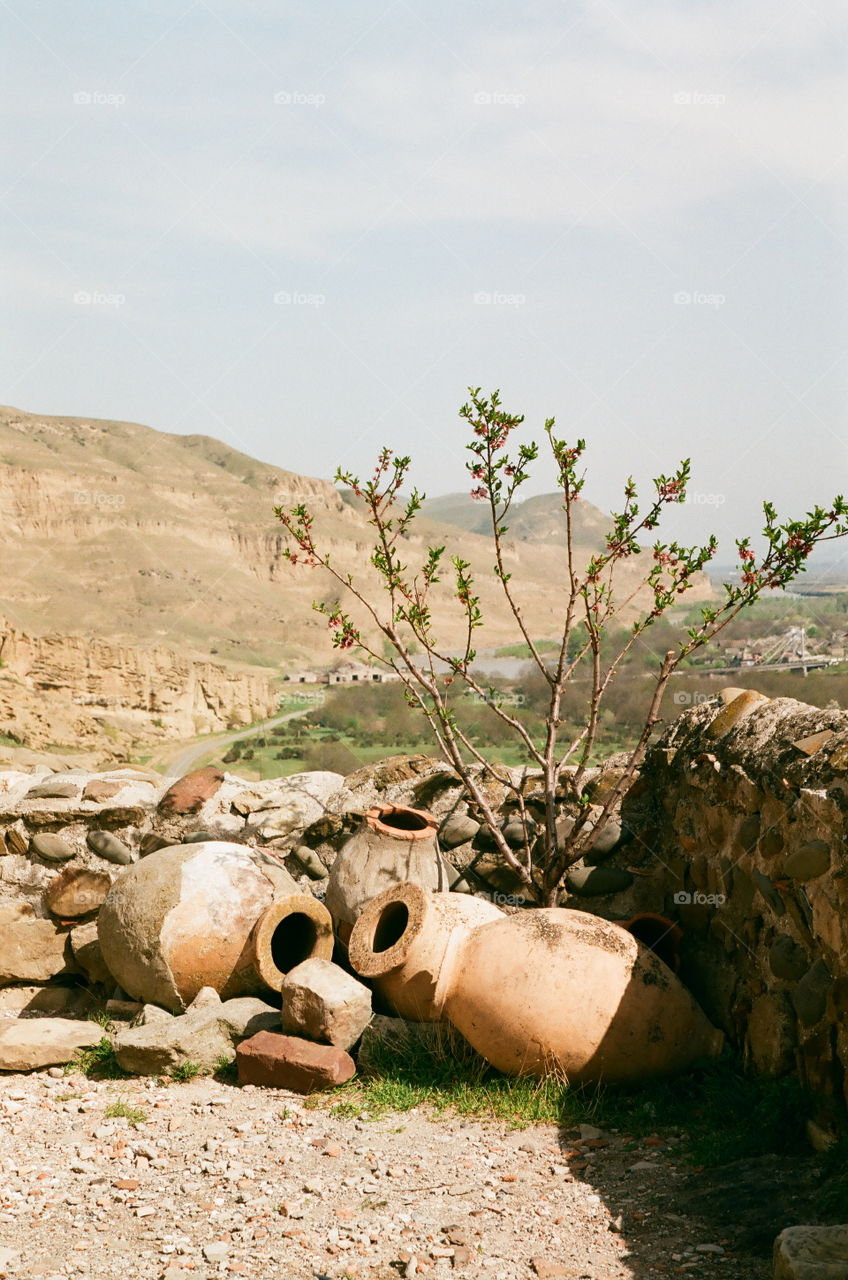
[{"x": 188, "y": 756}]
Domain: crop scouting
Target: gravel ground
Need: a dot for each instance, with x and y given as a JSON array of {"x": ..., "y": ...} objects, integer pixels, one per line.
[{"x": 220, "y": 1180}]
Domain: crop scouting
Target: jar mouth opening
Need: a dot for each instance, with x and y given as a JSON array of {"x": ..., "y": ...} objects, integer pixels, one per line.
[
  {"x": 293, "y": 929},
  {"x": 401, "y": 822},
  {"x": 386, "y": 929}
]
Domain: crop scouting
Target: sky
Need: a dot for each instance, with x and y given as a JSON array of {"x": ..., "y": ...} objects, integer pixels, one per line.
[{"x": 306, "y": 229}]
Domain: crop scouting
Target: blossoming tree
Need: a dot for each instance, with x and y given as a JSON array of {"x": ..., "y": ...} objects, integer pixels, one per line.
[{"x": 401, "y": 619}]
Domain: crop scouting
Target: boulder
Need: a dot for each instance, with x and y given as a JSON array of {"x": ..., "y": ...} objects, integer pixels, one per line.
[
  {"x": 109, "y": 847},
  {"x": 61, "y": 1000},
  {"x": 811, "y": 1253},
  {"x": 307, "y": 861},
  {"x": 32, "y": 951},
  {"x": 206, "y": 1034},
  {"x": 101, "y": 789},
  {"x": 457, "y": 829},
  {"x": 27, "y": 1044},
  {"x": 294, "y": 811},
  {"x": 287, "y": 1062},
  {"x": 57, "y": 790},
  {"x": 85, "y": 946},
  {"x": 590, "y": 882},
  {"x": 322, "y": 1002}
]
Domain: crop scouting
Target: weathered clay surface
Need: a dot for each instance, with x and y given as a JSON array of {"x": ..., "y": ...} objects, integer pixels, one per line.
[
  {"x": 546, "y": 989},
  {"x": 394, "y": 844},
  {"x": 181, "y": 919},
  {"x": 401, "y": 939}
]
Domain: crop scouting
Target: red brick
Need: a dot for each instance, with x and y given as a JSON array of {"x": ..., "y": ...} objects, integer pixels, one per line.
[{"x": 287, "y": 1062}]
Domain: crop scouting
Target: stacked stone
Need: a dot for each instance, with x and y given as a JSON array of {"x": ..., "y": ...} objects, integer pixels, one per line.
[{"x": 740, "y": 818}]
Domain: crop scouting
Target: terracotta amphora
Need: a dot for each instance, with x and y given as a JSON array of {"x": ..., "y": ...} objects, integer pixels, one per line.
[
  {"x": 554, "y": 990},
  {"x": 210, "y": 914}
]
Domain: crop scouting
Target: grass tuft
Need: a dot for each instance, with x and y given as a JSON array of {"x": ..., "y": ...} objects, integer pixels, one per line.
[
  {"x": 721, "y": 1113},
  {"x": 186, "y": 1071},
  {"x": 123, "y": 1109},
  {"x": 97, "y": 1062},
  {"x": 226, "y": 1069}
]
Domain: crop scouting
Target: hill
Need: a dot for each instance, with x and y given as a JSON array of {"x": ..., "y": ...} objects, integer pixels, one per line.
[{"x": 164, "y": 551}]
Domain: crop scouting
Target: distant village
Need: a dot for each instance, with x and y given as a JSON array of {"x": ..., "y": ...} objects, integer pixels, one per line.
[{"x": 344, "y": 673}]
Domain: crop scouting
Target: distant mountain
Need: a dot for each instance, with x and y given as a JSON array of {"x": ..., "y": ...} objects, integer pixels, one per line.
[{"x": 539, "y": 519}]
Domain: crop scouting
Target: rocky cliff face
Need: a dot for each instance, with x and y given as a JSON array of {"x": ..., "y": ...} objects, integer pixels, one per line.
[
  {"x": 140, "y": 567},
  {"x": 68, "y": 689}
]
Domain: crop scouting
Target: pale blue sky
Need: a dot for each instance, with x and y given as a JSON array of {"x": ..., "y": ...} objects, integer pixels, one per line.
[{"x": 176, "y": 170}]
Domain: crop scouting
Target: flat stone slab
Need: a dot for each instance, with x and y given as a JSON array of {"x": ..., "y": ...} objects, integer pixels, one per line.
[
  {"x": 27, "y": 1044},
  {"x": 811, "y": 1253}
]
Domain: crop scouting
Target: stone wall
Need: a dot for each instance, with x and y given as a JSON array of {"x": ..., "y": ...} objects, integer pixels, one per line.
[{"x": 737, "y": 830}]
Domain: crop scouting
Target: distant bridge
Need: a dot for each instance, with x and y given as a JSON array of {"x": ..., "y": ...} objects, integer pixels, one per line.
[{"x": 788, "y": 653}]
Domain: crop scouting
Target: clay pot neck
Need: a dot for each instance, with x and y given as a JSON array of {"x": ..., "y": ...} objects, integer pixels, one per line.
[
  {"x": 293, "y": 929},
  {"x": 401, "y": 823},
  {"x": 387, "y": 930}
]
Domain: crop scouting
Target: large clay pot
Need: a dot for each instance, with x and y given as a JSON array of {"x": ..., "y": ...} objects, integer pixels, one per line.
[
  {"x": 394, "y": 845},
  {"x": 400, "y": 941},
  {"x": 209, "y": 914},
  {"x": 552, "y": 990},
  {"x": 659, "y": 933}
]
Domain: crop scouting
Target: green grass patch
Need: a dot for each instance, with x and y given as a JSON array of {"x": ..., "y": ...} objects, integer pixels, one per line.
[
  {"x": 720, "y": 1113},
  {"x": 186, "y": 1071},
  {"x": 121, "y": 1109},
  {"x": 98, "y": 1062},
  {"x": 226, "y": 1070}
]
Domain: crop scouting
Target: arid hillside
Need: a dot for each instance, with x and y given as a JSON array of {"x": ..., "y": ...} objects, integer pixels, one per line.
[{"x": 144, "y": 576}]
